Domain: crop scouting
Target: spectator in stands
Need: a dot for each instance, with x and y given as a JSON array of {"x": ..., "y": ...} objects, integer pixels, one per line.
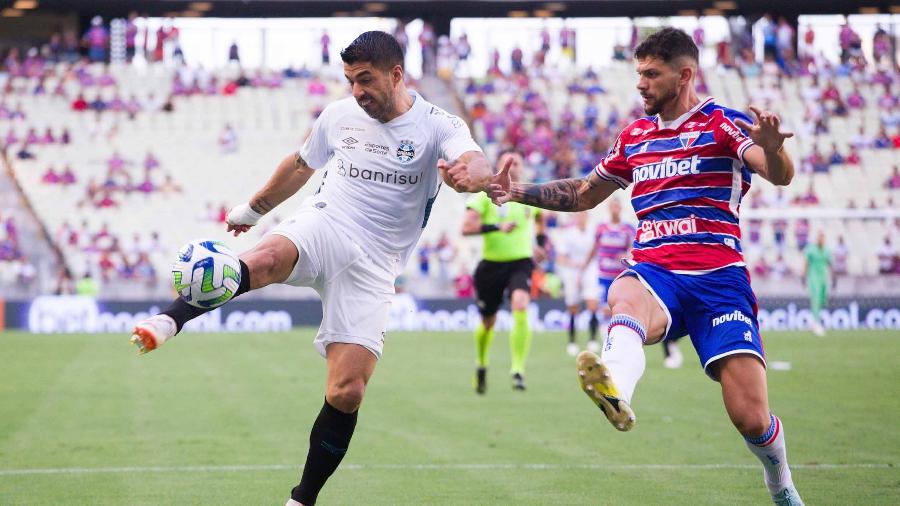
[
  {"x": 853, "y": 157},
  {"x": 64, "y": 283},
  {"x": 893, "y": 182},
  {"x": 80, "y": 104},
  {"x": 67, "y": 177},
  {"x": 887, "y": 257},
  {"x": 131, "y": 31},
  {"x": 835, "y": 158},
  {"x": 424, "y": 256},
  {"x": 779, "y": 231},
  {"x": 169, "y": 185},
  {"x": 814, "y": 162},
  {"x": 150, "y": 162},
  {"x": 779, "y": 268},
  {"x": 839, "y": 256},
  {"x": 96, "y": 39},
  {"x": 65, "y": 138},
  {"x": 24, "y": 153},
  {"x": 801, "y": 233},
  {"x": 228, "y": 140},
  {"x": 882, "y": 140},
  {"x": 464, "y": 285},
  {"x": 856, "y": 100},
  {"x": 106, "y": 200},
  {"x": 324, "y": 43},
  {"x": 50, "y": 176},
  {"x": 861, "y": 140}
]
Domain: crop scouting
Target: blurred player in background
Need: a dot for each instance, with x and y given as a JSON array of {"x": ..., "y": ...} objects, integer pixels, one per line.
[
  {"x": 818, "y": 273},
  {"x": 612, "y": 245},
  {"x": 351, "y": 239},
  {"x": 578, "y": 270},
  {"x": 505, "y": 270},
  {"x": 690, "y": 162}
]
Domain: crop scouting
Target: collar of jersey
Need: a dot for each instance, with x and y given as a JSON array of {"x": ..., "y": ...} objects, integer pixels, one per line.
[
  {"x": 675, "y": 125},
  {"x": 415, "y": 96}
]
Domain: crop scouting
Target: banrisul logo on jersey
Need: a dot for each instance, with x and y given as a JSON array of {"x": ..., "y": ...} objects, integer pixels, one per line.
[{"x": 406, "y": 151}]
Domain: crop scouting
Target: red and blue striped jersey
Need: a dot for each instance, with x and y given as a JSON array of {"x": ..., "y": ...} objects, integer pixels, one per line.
[
  {"x": 688, "y": 178},
  {"x": 613, "y": 240}
]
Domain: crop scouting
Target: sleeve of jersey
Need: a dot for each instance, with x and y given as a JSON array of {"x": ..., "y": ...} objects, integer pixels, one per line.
[
  {"x": 316, "y": 150},
  {"x": 734, "y": 137},
  {"x": 455, "y": 137},
  {"x": 614, "y": 167}
]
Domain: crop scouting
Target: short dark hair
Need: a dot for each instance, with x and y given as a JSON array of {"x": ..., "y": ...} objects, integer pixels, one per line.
[
  {"x": 380, "y": 49},
  {"x": 668, "y": 45}
]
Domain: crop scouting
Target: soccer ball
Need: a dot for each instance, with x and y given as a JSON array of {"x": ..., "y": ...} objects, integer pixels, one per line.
[{"x": 206, "y": 274}]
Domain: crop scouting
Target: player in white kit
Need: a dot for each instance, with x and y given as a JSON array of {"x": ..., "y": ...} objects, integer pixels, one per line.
[
  {"x": 382, "y": 150},
  {"x": 578, "y": 270}
]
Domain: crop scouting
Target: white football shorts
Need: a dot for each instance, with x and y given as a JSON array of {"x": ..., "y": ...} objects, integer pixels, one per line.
[
  {"x": 579, "y": 286},
  {"x": 356, "y": 292}
]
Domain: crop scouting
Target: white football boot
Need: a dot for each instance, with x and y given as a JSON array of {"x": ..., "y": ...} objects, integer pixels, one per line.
[{"x": 151, "y": 333}]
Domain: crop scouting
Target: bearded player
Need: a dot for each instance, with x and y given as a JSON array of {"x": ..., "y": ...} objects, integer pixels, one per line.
[{"x": 690, "y": 162}]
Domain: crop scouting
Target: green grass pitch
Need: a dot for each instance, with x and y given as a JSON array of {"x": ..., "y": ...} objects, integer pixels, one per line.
[{"x": 224, "y": 419}]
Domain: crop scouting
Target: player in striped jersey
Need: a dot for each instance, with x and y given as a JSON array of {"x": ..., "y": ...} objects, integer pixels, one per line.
[
  {"x": 612, "y": 244},
  {"x": 690, "y": 162}
]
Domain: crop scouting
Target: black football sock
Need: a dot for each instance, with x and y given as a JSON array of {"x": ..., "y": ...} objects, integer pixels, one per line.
[
  {"x": 571, "y": 328},
  {"x": 594, "y": 324},
  {"x": 182, "y": 312},
  {"x": 328, "y": 443}
]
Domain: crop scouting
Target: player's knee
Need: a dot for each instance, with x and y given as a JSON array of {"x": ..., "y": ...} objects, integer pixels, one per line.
[
  {"x": 263, "y": 265},
  {"x": 347, "y": 395},
  {"x": 751, "y": 422},
  {"x": 489, "y": 321},
  {"x": 520, "y": 300}
]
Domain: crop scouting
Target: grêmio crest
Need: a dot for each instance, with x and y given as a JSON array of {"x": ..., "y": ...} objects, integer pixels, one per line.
[{"x": 406, "y": 151}]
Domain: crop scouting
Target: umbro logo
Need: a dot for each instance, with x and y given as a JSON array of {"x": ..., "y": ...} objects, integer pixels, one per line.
[{"x": 349, "y": 141}]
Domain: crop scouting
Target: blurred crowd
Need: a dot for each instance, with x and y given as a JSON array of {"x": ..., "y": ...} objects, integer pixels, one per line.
[{"x": 562, "y": 126}]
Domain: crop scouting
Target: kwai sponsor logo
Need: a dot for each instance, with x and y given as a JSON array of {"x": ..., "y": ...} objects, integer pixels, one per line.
[
  {"x": 668, "y": 167},
  {"x": 654, "y": 229}
]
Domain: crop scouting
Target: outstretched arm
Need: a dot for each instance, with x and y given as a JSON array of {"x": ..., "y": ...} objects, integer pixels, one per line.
[
  {"x": 768, "y": 158},
  {"x": 292, "y": 173},
  {"x": 570, "y": 195}
]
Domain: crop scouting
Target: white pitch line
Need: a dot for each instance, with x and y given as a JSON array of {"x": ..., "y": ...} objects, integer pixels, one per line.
[{"x": 438, "y": 467}]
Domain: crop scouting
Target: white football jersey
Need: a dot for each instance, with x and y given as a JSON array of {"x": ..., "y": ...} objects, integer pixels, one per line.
[
  {"x": 381, "y": 179},
  {"x": 576, "y": 244}
]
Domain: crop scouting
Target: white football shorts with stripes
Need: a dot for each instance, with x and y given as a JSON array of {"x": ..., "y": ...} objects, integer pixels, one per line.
[{"x": 356, "y": 292}]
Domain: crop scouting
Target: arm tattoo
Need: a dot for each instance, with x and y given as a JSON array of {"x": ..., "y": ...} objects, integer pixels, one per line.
[
  {"x": 559, "y": 195},
  {"x": 261, "y": 205}
]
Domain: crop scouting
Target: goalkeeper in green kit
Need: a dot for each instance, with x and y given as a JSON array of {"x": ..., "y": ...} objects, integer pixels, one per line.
[{"x": 818, "y": 273}]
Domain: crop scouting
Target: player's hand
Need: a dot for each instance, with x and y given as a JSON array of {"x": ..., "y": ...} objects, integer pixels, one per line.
[
  {"x": 499, "y": 189},
  {"x": 540, "y": 255},
  {"x": 507, "y": 226},
  {"x": 456, "y": 174},
  {"x": 240, "y": 219},
  {"x": 765, "y": 131}
]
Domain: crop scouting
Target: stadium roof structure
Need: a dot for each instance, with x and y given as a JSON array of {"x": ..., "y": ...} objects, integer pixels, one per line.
[{"x": 450, "y": 8}]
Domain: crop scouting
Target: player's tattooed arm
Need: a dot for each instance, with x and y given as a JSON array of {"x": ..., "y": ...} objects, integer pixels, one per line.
[
  {"x": 261, "y": 204},
  {"x": 564, "y": 194},
  {"x": 292, "y": 173}
]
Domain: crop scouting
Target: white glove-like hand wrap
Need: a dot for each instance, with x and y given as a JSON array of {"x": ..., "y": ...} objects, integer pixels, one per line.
[{"x": 243, "y": 215}]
